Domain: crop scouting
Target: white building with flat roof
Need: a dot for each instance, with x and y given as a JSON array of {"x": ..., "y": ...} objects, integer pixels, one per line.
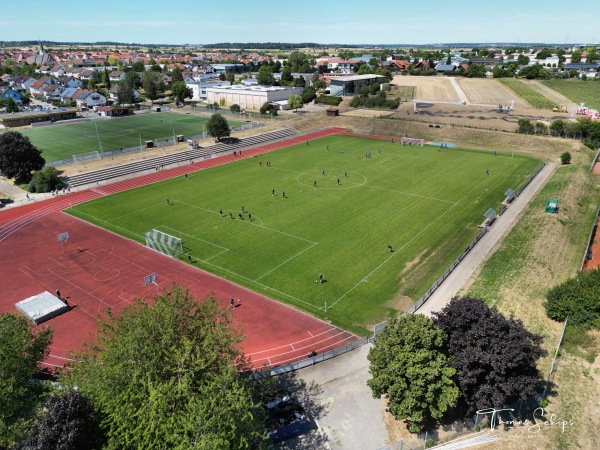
[{"x": 250, "y": 97}]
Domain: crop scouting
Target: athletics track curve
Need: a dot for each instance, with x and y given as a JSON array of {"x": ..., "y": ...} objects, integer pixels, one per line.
[{"x": 99, "y": 269}]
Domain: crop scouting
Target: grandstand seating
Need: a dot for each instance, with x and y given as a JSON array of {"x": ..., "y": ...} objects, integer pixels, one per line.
[{"x": 175, "y": 158}]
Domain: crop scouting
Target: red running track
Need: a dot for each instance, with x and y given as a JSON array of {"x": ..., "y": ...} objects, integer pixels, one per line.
[{"x": 99, "y": 269}]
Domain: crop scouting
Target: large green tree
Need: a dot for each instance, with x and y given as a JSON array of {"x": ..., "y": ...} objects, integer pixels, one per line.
[
  {"x": 494, "y": 357},
  {"x": 11, "y": 105},
  {"x": 295, "y": 101},
  {"x": 218, "y": 127},
  {"x": 153, "y": 84},
  {"x": 19, "y": 157},
  {"x": 124, "y": 94},
  {"x": 164, "y": 375},
  {"x": 265, "y": 76},
  {"x": 67, "y": 422},
  {"x": 180, "y": 91},
  {"x": 21, "y": 347},
  {"x": 409, "y": 366},
  {"x": 578, "y": 299},
  {"x": 176, "y": 75}
]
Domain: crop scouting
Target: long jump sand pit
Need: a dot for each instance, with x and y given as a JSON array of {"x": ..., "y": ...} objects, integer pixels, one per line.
[
  {"x": 429, "y": 88},
  {"x": 488, "y": 92},
  {"x": 369, "y": 113}
]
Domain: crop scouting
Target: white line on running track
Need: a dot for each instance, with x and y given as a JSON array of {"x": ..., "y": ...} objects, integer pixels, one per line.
[{"x": 411, "y": 239}]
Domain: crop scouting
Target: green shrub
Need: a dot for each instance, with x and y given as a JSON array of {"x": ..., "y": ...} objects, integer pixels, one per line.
[
  {"x": 235, "y": 108},
  {"x": 45, "y": 180},
  {"x": 578, "y": 299},
  {"x": 565, "y": 158},
  {"x": 328, "y": 100}
]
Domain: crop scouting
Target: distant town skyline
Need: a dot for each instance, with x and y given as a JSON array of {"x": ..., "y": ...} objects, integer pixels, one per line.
[{"x": 336, "y": 21}]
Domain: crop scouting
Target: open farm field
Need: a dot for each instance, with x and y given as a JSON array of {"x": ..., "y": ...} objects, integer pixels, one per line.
[
  {"x": 526, "y": 91},
  {"x": 340, "y": 212},
  {"x": 62, "y": 141},
  {"x": 487, "y": 92},
  {"x": 428, "y": 88},
  {"x": 577, "y": 91}
]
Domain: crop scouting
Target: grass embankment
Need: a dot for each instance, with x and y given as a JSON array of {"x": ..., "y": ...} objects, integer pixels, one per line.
[
  {"x": 530, "y": 95},
  {"x": 543, "y": 250}
]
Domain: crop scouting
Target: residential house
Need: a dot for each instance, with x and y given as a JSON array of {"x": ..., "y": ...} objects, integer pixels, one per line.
[
  {"x": 35, "y": 88},
  {"x": 400, "y": 65},
  {"x": 70, "y": 82},
  {"x": 7, "y": 92},
  {"x": 113, "y": 94},
  {"x": 116, "y": 76},
  {"x": 52, "y": 92},
  {"x": 447, "y": 69},
  {"x": 89, "y": 99}
]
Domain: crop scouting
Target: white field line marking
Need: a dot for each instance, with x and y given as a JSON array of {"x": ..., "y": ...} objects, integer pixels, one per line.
[
  {"x": 413, "y": 238},
  {"x": 136, "y": 211},
  {"x": 179, "y": 232},
  {"x": 224, "y": 249},
  {"x": 285, "y": 262},
  {"x": 255, "y": 224},
  {"x": 260, "y": 284},
  {"x": 412, "y": 195},
  {"x": 141, "y": 236}
]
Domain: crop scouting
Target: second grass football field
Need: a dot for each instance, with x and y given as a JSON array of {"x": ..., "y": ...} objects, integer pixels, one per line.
[{"x": 340, "y": 212}]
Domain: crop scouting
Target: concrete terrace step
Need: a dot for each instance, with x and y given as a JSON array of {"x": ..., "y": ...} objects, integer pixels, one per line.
[{"x": 190, "y": 155}]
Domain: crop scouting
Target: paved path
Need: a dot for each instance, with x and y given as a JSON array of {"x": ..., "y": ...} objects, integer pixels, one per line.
[
  {"x": 461, "y": 95},
  {"x": 348, "y": 416}
]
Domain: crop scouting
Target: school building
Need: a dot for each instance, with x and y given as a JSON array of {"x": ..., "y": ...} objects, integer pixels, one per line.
[{"x": 249, "y": 97}]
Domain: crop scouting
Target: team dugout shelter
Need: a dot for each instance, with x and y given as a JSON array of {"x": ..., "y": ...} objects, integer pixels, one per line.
[{"x": 22, "y": 119}]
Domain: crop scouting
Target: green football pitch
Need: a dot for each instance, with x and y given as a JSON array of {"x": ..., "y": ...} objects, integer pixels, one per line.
[
  {"x": 62, "y": 141},
  {"x": 340, "y": 212}
]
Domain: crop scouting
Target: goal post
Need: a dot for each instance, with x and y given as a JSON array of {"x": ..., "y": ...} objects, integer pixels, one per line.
[
  {"x": 412, "y": 141},
  {"x": 86, "y": 157},
  {"x": 164, "y": 243}
]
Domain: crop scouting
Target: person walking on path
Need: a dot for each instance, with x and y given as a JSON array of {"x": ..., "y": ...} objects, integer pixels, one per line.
[
  {"x": 390, "y": 249},
  {"x": 231, "y": 303}
]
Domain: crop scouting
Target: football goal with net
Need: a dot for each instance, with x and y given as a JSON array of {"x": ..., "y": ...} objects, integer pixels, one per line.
[
  {"x": 83, "y": 158},
  {"x": 164, "y": 243}
]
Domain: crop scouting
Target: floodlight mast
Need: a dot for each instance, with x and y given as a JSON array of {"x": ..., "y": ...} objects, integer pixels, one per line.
[{"x": 98, "y": 136}]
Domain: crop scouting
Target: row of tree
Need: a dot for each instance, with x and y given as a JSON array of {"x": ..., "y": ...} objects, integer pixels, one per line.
[
  {"x": 166, "y": 374},
  {"x": 469, "y": 357},
  {"x": 583, "y": 128}
]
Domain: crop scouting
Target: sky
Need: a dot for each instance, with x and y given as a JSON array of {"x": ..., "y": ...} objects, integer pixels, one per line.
[{"x": 295, "y": 21}]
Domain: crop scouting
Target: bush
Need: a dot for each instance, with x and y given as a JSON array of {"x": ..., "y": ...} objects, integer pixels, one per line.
[
  {"x": 45, "y": 180},
  {"x": 578, "y": 299},
  {"x": 235, "y": 108},
  {"x": 266, "y": 108},
  {"x": 328, "y": 100},
  {"x": 565, "y": 158}
]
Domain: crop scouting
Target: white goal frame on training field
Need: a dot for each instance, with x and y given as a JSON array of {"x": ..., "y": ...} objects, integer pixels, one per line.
[
  {"x": 412, "y": 141},
  {"x": 86, "y": 157},
  {"x": 164, "y": 243}
]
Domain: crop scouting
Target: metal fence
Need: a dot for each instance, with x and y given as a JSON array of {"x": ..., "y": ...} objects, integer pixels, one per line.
[
  {"x": 538, "y": 170},
  {"x": 319, "y": 358},
  {"x": 590, "y": 238},
  {"x": 594, "y": 160}
]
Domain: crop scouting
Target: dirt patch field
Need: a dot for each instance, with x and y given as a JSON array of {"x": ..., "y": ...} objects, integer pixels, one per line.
[
  {"x": 370, "y": 113},
  {"x": 488, "y": 92},
  {"x": 429, "y": 88}
]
